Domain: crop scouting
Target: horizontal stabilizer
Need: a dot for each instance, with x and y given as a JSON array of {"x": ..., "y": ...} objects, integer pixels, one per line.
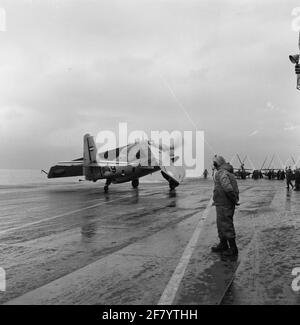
[
  {"x": 71, "y": 163},
  {"x": 65, "y": 171}
]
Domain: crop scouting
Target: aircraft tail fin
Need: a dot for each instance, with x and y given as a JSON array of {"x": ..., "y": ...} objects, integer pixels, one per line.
[
  {"x": 89, "y": 157},
  {"x": 89, "y": 150}
]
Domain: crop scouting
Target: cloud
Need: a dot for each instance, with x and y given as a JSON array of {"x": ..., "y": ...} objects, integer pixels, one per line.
[
  {"x": 70, "y": 67},
  {"x": 253, "y": 133}
]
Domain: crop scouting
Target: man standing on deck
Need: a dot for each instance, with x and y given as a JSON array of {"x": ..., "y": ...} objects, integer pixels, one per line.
[
  {"x": 289, "y": 177},
  {"x": 297, "y": 179},
  {"x": 226, "y": 197}
]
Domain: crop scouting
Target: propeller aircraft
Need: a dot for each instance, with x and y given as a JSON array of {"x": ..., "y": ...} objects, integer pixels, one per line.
[{"x": 124, "y": 164}]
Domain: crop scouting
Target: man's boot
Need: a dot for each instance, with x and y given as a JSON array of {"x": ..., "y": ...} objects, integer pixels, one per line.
[
  {"x": 221, "y": 247},
  {"x": 232, "y": 250}
]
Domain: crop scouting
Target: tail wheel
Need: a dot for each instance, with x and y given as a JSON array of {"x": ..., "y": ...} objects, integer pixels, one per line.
[{"x": 135, "y": 183}]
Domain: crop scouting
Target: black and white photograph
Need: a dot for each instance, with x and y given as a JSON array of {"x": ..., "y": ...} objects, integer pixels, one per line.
[{"x": 150, "y": 155}]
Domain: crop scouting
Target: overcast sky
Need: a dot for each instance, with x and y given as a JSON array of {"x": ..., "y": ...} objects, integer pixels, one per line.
[{"x": 71, "y": 67}]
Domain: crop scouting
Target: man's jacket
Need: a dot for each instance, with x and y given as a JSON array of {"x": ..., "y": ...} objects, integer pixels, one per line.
[
  {"x": 289, "y": 175},
  {"x": 226, "y": 191}
]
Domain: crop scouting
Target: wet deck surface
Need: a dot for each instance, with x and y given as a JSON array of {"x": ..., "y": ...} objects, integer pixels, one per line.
[{"x": 69, "y": 243}]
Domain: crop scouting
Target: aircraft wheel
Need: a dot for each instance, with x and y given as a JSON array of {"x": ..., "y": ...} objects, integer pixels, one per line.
[
  {"x": 135, "y": 183},
  {"x": 105, "y": 188},
  {"x": 172, "y": 185}
]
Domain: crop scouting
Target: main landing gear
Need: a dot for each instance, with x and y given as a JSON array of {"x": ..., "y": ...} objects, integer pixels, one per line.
[
  {"x": 108, "y": 182},
  {"x": 172, "y": 185},
  {"x": 135, "y": 183}
]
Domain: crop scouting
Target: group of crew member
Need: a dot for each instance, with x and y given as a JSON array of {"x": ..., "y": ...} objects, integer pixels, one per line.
[
  {"x": 288, "y": 174},
  {"x": 293, "y": 176},
  {"x": 257, "y": 174},
  {"x": 272, "y": 174}
]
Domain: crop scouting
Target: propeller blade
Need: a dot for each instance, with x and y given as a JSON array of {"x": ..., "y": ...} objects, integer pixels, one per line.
[{"x": 175, "y": 143}]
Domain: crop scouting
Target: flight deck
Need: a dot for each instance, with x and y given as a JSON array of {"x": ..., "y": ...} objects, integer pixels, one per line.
[{"x": 71, "y": 243}]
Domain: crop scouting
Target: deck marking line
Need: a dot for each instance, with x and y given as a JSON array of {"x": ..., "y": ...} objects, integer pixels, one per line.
[
  {"x": 171, "y": 289},
  {"x": 59, "y": 216}
]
